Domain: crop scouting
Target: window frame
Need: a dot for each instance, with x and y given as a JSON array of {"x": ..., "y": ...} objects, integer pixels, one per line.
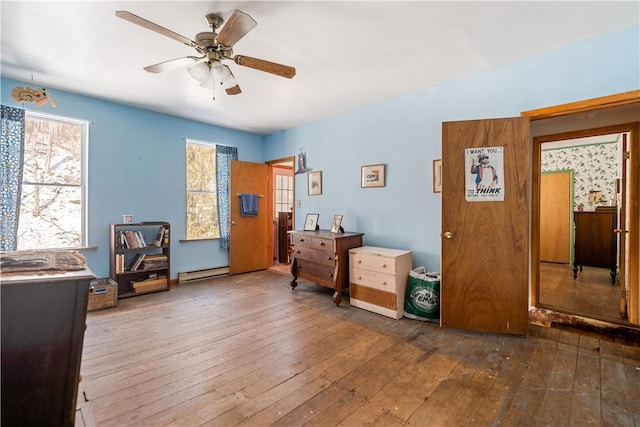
[
  {"x": 84, "y": 172},
  {"x": 187, "y": 191}
]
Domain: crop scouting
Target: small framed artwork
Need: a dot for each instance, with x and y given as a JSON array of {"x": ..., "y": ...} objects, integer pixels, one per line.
[
  {"x": 437, "y": 176},
  {"x": 127, "y": 219},
  {"x": 314, "y": 183},
  {"x": 336, "y": 224},
  {"x": 372, "y": 176},
  {"x": 311, "y": 222}
]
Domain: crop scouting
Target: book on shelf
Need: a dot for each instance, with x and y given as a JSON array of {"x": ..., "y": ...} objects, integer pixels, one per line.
[
  {"x": 136, "y": 262},
  {"x": 158, "y": 241},
  {"x": 165, "y": 236}
]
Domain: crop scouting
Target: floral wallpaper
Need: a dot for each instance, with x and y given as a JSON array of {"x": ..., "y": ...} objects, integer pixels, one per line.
[{"x": 595, "y": 168}]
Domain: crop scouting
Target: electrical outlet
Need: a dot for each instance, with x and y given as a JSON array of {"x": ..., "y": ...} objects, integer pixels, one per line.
[{"x": 298, "y": 204}]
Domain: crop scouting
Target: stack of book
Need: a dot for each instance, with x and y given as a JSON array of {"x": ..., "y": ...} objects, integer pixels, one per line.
[{"x": 151, "y": 261}]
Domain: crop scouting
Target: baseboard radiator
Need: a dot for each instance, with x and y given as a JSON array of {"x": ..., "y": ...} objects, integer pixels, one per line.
[{"x": 208, "y": 273}]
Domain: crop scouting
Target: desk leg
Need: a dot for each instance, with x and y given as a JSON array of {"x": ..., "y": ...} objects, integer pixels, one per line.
[
  {"x": 575, "y": 271},
  {"x": 294, "y": 273}
]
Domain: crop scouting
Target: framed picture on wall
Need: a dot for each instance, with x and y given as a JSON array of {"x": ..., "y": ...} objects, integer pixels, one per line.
[
  {"x": 372, "y": 176},
  {"x": 314, "y": 183}
]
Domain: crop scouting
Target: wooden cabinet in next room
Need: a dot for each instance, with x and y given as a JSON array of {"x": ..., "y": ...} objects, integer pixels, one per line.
[{"x": 595, "y": 241}]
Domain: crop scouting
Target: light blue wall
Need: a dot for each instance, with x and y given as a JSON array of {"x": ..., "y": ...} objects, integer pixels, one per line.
[
  {"x": 405, "y": 133},
  {"x": 136, "y": 162},
  {"x": 137, "y": 166}
]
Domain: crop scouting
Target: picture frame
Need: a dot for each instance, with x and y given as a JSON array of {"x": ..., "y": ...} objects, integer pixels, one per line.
[
  {"x": 336, "y": 224},
  {"x": 314, "y": 183},
  {"x": 437, "y": 176},
  {"x": 127, "y": 219},
  {"x": 311, "y": 222},
  {"x": 372, "y": 176}
]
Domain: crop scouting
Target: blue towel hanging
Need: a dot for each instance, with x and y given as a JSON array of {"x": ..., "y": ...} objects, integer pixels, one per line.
[{"x": 249, "y": 204}]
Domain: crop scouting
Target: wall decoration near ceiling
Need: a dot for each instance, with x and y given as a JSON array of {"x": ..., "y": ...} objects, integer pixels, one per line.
[{"x": 23, "y": 94}]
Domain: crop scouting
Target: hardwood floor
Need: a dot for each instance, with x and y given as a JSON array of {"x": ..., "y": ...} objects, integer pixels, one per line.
[
  {"x": 591, "y": 294},
  {"x": 247, "y": 350}
]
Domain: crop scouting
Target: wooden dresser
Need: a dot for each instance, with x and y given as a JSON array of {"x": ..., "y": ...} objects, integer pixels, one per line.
[
  {"x": 323, "y": 257},
  {"x": 43, "y": 323},
  {"x": 378, "y": 279},
  {"x": 595, "y": 241}
]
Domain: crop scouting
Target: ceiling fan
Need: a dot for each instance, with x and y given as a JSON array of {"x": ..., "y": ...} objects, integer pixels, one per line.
[{"x": 213, "y": 47}]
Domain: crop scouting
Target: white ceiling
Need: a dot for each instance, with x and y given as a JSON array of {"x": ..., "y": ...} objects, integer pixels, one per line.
[{"x": 347, "y": 54}]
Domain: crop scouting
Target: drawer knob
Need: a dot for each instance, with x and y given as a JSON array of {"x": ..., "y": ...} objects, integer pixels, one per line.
[
  {"x": 321, "y": 243},
  {"x": 302, "y": 240},
  {"x": 359, "y": 261},
  {"x": 329, "y": 258},
  {"x": 359, "y": 277},
  {"x": 383, "y": 265},
  {"x": 297, "y": 252}
]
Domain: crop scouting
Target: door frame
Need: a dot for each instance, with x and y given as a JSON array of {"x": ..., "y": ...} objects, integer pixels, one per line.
[
  {"x": 585, "y": 110},
  {"x": 272, "y": 197}
]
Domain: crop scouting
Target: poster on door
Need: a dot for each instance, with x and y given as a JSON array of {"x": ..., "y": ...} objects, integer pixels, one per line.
[{"x": 484, "y": 174}]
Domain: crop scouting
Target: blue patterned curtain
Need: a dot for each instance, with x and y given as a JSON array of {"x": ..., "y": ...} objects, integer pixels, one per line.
[
  {"x": 12, "y": 144},
  {"x": 224, "y": 154}
]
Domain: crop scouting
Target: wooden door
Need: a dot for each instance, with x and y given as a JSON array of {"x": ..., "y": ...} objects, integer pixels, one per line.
[
  {"x": 556, "y": 208},
  {"x": 485, "y": 258},
  {"x": 249, "y": 236}
]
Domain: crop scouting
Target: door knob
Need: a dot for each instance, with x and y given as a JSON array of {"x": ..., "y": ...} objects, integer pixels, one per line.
[
  {"x": 233, "y": 223},
  {"x": 447, "y": 235}
]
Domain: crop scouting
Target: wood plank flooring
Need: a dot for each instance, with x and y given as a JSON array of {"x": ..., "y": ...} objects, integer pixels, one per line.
[
  {"x": 591, "y": 294},
  {"x": 246, "y": 350}
]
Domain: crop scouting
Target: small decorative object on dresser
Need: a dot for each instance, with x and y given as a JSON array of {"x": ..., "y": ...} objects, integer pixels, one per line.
[
  {"x": 323, "y": 257},
  {"x": 372, "y": 176},
  {"x": 336, "y": 224},
  {"x": 311, "y": 222},
  {"x": 378, "y": 279}
]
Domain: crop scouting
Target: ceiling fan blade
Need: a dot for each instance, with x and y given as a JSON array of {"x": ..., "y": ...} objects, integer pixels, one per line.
[
  {"x": 173, "y": 63},
  {"x": 237, "y": 26},
  {"x": 262, "y": 65},
  {"x": 234, "y": 90},
  {"x": 128, "y": 16}
]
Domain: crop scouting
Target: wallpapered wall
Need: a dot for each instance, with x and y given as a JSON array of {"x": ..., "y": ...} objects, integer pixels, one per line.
[{"x": 596, "y": 167}]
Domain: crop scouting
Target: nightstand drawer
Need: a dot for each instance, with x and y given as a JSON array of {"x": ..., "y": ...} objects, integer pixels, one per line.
[
  {"x": 372, "y": 262},
  {"x": 371, "y": 279}
]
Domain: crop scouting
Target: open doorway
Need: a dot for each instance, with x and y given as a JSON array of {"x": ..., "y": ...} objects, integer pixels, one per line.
[
  {"x": 282, "y": 187},
  {"x": 580, "y": 212},
  {"x": 612, "y": 114}
]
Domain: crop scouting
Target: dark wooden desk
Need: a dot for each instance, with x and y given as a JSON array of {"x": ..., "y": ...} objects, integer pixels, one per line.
[
  {"x": 323, "y": 257},
  {"x": 595, "y": 241},
  {"x": 43, "y": 323}
]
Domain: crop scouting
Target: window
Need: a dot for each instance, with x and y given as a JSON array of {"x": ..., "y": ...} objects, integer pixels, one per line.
[
  {"x": 284, "y": 194},
  {"x": 53, "y": 200},
  {"x": 202, "y": 199}
]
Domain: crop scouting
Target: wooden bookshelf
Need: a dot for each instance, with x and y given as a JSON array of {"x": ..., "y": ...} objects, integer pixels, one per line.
[{"x": 140, "y": 257}]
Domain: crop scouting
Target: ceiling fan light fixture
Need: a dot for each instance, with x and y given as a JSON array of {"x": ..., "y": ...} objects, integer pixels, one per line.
[{"x": 200, "y": 72}]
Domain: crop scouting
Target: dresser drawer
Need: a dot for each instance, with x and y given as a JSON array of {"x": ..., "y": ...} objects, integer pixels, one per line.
[
  {"x": 372, "y": 279},
  {"x": 300, "y": 239},
  {"x": 314, "y": 255},
  {"x": 369, "y": 296},
  {"x": 322, "y": 244},
  {"x": 372, "y": 262},
  {"x": 315, "y": 271}
]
